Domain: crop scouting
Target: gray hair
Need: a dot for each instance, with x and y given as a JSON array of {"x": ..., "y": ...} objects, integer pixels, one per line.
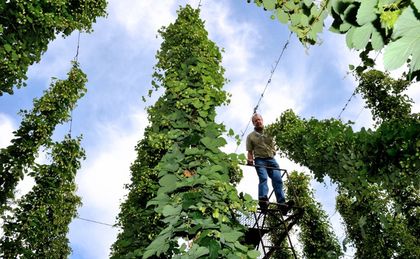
[{"x": 254, "y": 116}]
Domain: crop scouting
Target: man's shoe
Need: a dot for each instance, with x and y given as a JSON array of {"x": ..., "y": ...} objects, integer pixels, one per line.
[
  {"x": 263, "y": 203},
  {"x": 290, "y": 203},
  {"x": 284, "y": 208}
]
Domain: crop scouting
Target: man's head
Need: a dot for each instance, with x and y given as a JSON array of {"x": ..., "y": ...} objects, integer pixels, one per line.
[{"x": 257, "y": 120}]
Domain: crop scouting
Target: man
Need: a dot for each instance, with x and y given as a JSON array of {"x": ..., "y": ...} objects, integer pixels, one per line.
[{"x": 261, "y": 151}]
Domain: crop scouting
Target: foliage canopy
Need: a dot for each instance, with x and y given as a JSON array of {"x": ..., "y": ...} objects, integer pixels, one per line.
[
  {"x": 376, "y": 170},
  {"x": 26, "y": 28},
  {"x": 389, "y": 25},
  {"x": 36, "y": 129}
]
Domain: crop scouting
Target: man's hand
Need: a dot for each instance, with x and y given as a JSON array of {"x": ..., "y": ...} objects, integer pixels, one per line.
[{"x": 250, "y": 158}]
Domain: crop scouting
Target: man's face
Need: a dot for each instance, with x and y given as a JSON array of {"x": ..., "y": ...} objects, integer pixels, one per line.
[{"x": 258, "y": 122}]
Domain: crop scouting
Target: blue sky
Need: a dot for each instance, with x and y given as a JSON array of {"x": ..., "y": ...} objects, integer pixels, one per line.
[{"x": 118, "y": 58}]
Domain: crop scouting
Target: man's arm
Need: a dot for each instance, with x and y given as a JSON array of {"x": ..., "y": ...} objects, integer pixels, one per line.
[{"x": 250, "y": 158}]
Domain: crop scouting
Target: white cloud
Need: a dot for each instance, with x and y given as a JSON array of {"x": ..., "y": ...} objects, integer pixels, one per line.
[
  {"x": 6, "y": 130},
  {"x": 236, "y": 37},
  {"x": 414, "y": 93},
  {"x": 142, "y": 19},
  {"x": 130, "y": 31},
  {"x": 101, "y": 182}
]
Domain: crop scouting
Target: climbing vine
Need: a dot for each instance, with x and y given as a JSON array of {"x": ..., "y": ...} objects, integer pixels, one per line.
[
  {"x": 192, "y": 195},
  {"x": 384, "y": 96},
  {"x": 316, "y": 234},
  {"x": 384, "y": 160},
  {"x": 26, "y": 28},
  {"x": 36, "y": 129},
  {"x": 375, "y": 228},
  {"x": 369, "y": 25},
  {"x": 304, "y": 18},
  {"x": 38, "y": 226}
]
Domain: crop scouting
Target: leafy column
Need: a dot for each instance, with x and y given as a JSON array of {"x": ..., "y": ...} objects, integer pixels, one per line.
[
  {"x": 38, "y": 226},
  {"x": 36, "y": 129},
  {"x": 196, "y": 199},
  {"x": 374, "y": 227},
  {"x": 316, "y": 234},
  {"x": 140, "y": 224},
  {"x": 26, "y": 28}
]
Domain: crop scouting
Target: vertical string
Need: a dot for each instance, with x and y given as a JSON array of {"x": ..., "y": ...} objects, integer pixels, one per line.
[
  {"x": 75, "y": 60},
  {"x": 77, "y": 48}
]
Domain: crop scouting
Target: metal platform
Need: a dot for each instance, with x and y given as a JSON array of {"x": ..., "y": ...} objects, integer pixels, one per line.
[{"x": 259, "y": 231}]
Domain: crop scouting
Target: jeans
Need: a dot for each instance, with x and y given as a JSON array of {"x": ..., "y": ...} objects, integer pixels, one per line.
[{"x": 273, "y": 171}]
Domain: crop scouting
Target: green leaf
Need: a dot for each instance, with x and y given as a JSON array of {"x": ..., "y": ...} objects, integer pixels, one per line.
[
  {"x": 7, "y": 47},
  {"x": 361, "y": 36},
  {"x": 407, "y": 24},
  {"x": 213, "y": 144},
  {"x": 377, "y": 40},
  {"x": 214, "y": 248},
  {"x": 241, "y": 247},
  {"x": 416, "y": 4},
  {"x": 367, "y": 12},
  {"x": 407, "y": 35},
  {"x": 170, "y": 167},
  {"x": 282, "y": 16},
  {"x": 415, "y": 59},
  {"x": 198, "y": 251},
  {"x": 193, "y": 151},
  {"x": 169, "y": 210},
  {"x": 161, "y": 198},
  {"x": 397, "y": 52},
  {"x": 269, "y": 4},
  {"x": 349, "y": 37},
  {"x": 253, "y": 254},
  {"x": 156, "y": 247},
  {"x": 231, "y": 236},
  {"x": 344, "y": 27},
  {"x": 216, "y": 168},
  {"x": 308, "y": 3},
  {"x": 231, "y": 132},
  {"x": 295, "y": 18},
  {"x": 168, "y": 180}
]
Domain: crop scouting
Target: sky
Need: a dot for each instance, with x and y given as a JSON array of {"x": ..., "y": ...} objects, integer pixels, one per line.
[{"x": 118, "y": 58}]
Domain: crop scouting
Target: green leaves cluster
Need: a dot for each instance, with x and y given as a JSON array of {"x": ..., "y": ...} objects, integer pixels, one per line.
[
  {"x": 375, "y": 24},
  {"x": 199, "y": 204},
  {"x": 304, "y": 18},
  {"x": 389, "y": 25},
  {"x": 36, "y": 129},
  {"x": 26, "y": 28},
  {"x": 187, "y": 182},
  {"x": 375, "y": 169},
  {"x": 38, "y": 226},
  {"x": 374, "y": 227},
  {"x": 384, "y": 95}
]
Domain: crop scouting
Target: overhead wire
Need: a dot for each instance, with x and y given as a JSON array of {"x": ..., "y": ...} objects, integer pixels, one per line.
[
  {"x": 354, "y": 92},
  {"x": 265, "y": 88},
  {"x": 262, "y": 95},
  {"x": 272, "y": 72},
  {"x": 95, "y": 221}
]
